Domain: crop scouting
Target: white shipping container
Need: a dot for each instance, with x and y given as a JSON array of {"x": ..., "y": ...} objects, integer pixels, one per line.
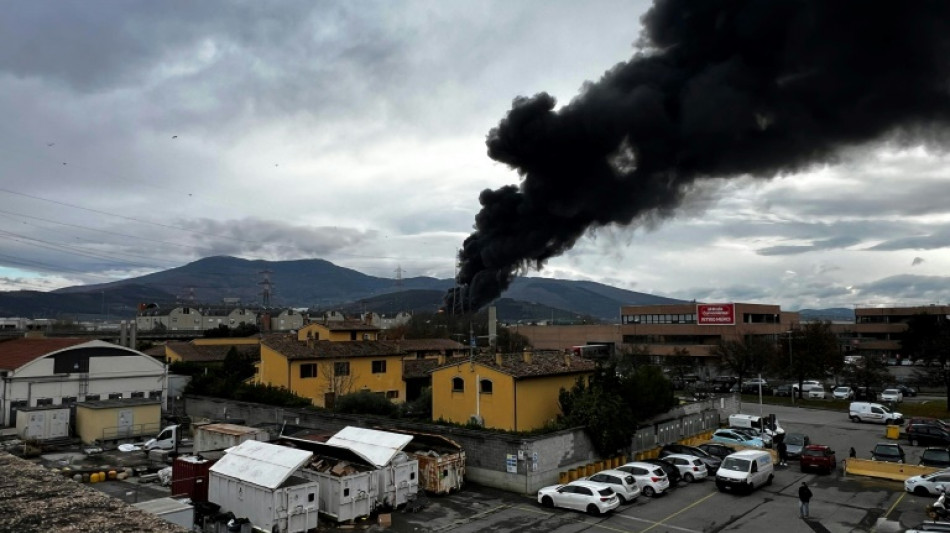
[
  {"x": 42, "y": 423},
  {"x": 255, "y": 480},
  {"x": 347, "y": 497},
  {"x": 291, "y": 508},
  {"x": 397, "y": 481},
  {"x": 215, "y": 437},
  {"x": 170, "y": 510}
]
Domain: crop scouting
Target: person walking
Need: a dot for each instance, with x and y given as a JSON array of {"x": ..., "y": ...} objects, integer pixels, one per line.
[
  {"x": 804, "y": 495},
  {"x": 782, "y": 449}
]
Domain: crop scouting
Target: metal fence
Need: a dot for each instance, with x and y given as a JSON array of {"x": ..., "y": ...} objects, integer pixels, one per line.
[{"x": 687, "y": 421}]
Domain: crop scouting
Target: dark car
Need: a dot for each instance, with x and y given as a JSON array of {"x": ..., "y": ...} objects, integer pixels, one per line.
[
  {"x": 938, "y": 457},
  {"x": 930, "y": 421},
  {"x": 918, "y": 434},
  {"x": 717, "y": 449},
  {"x": 818, "y": 457},
  {"x": 886, "y": 451},
  {"x": 712, "y": 462},
  {"x": 795, "y": 443},
  {"x": 671, "y": 471},
  {"x": 866, "y": 394},
  {"x": 906, "y": 390},
  {"x": 782, "y": 390}
]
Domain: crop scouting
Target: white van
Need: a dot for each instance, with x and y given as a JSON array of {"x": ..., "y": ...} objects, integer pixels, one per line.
[
  {"x": 873, "y": 412},
  {"x": 745, "y": 471},
  {"x": 756, "y": 422}
]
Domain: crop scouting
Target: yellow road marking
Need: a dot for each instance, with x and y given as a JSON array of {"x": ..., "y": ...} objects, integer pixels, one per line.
[{"x": 683, "y": 510}]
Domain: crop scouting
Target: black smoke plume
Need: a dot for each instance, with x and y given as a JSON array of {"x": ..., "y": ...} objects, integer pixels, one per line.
[{"x": 717, "y": 88}]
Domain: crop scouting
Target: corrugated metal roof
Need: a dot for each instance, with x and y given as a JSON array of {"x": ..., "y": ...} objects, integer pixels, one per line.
[
  {"x": 378, "y": 446},
  {"x": 263, "y": 464}
]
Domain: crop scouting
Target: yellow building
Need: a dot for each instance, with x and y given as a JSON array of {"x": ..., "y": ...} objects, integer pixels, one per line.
[
  {"x": 515, "y": 392},
  {"x": 322, "y": 369},
  {"x": 338, "y": 330}
]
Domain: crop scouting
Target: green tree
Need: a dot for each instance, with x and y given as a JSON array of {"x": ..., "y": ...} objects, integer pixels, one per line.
[
  {"x": 237, "y": 366},
  {"x": 927, "y": 337},
  {"x": 812, "y": 352},
  {"x": 365, "y": 402},
  {"x": 746, "y": 357},
  {"x": 601, "y": 409}
]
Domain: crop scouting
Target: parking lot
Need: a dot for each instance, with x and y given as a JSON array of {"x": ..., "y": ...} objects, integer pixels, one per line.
[{"x": 841, "y": 503}]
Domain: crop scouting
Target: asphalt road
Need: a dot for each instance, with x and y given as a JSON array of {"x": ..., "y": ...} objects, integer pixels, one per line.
[{"x": 841, "y": 503}]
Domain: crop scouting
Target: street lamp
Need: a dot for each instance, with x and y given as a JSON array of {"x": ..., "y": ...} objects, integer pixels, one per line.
[{"x": 791, "y": 389}]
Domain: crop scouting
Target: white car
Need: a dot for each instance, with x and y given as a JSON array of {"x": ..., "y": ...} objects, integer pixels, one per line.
[
  {"x": 928, "y": 484},
  {"x": 690, "y": 467},
  {"x": 581, "y": 495},
  {"x": 891, "y": 395},
  {"x": 651, "y": 479},
  {"x": 622, "y": 482},
  {"x": 843, "y": 393},
  {"x": 816, "y": 391}
]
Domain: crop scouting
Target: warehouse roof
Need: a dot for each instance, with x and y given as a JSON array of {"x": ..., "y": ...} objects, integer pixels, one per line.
[{"x": 15, "y": 353}]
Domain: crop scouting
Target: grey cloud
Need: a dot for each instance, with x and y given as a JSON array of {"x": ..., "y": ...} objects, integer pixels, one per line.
[
  {"x": 916, "y": 290},
  {"x": 917, "y": 261},
  {"x": 938, "y": 239},
  {"x": 827, "y": 244}
]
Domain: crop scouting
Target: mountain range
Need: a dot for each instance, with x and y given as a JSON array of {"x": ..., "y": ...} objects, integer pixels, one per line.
[{"x": 320, "y": 285}]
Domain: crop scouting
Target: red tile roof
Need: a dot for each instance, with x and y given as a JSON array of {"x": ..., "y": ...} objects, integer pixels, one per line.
[
  {"x": 291, "y": 348},
  {"x": 421, "y": 345},
  {"x": 549, "y": 363},
  {"x": 15, "y": 353},
  {"x": 209, "y": 353}
]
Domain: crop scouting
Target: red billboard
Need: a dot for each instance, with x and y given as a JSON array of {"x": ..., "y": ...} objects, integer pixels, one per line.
[{"x": 715, "y": 314}]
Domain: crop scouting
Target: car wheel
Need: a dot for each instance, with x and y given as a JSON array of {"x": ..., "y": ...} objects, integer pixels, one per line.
[
  {"x": 622, "y": 499},
  {"x": 547, "y": 501},
  {"x": 649, "y": 492},
  {"x": 593, "y": 510},
  {"x": 769, "y": 482},
  {"x": 855, "y": 419},
  {"x": 689, "y": 478}
]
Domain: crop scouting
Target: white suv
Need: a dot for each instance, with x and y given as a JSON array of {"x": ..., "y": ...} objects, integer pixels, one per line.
[
  {"x": 651, "y": 479},
  {"x": 623, "y": 484},
  {"x": 690, "y": 467}
]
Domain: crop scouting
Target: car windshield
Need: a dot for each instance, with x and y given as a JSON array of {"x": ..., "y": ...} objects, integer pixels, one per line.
[
  {"x": 699, "y": 452},
  {"x": 885, "y": 409},
  {"x": 891, "y": 391},
  {"x": 795, "y": 438},
  {"x": 736, "y": 464},
  {"x": 606, "y": 492},
  {"x": 842, "y": 389}
]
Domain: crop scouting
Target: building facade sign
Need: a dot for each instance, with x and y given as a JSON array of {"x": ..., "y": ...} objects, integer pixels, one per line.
[{"x": 715, "y": 314}]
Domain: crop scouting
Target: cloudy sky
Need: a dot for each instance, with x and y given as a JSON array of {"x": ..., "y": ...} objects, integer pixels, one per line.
[{"x": 141, "y": 136}]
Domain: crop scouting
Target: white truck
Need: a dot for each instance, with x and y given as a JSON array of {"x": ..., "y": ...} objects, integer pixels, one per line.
[
  {"x": 169, "y": 438},
  {"x": 873, "y": 412}
]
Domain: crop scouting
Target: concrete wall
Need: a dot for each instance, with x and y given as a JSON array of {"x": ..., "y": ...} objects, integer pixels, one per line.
[{"x": 487, "y": 453}]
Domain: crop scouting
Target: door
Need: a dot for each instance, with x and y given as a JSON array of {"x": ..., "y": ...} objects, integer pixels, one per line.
[
  {"x": 36, "y": 425},
  {"x": 124, "y": 423}
]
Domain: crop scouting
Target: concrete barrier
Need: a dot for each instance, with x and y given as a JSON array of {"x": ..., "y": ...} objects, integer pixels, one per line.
[{"x": 885, "y": 469}]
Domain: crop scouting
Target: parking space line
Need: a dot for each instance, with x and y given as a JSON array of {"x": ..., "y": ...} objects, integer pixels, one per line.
[
  {"x": 585, "y": 522},
  {"x": 683, "y": 510},
  {"x": 899, "y": 498}
]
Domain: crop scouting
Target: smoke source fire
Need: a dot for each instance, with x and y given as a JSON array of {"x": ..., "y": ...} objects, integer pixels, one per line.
[{"x": 716, "y": 89}]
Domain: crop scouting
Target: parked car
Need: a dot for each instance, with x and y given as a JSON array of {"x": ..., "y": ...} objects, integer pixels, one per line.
[
  {"x": 865, "y": 394},
  {"x": 756, "y": 434},
  {"x": 712, "y": 462},
  {"x": 651, "y": 479},
  {"x": 581, "y": 495},
  {"x": 623, "y": 484},
  {"x": 731, "y": 436},
  {"x": 717, "y": 449},
  {"x": 891, "y": 396},
  {"x": 937, "y": 457},
  {"x": 806, "y": 384},
  {"x": 672, "y": 473},
  {"x": 795, "y": 443},
  {"x": 843, "y": 393},
  {"x": 926, "y": 421},
  {"x": 818, "y": 457},
  {"x": 816, "y": 392},
  {"x": 918, "y": 434},
  {"x": 691, "y": 467},
  {"x": 928, "y": 484},
  {"x": 887, "y": 451},
  {"x": 782, "y": 390},
  {"x": 930, "y": 526},
  {"x": 906, "y": 390}
]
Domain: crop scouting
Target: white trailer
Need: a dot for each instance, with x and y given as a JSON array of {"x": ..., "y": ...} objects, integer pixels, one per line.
[
  {"x": 258, "y": 481},
  {"x": 218, "y": 437}
]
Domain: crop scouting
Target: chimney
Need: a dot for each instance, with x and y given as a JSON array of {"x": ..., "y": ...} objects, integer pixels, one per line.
[
  {"x": 310, "y": 339},
  {"x": 527, "y": 355},
  {"x": 441, "y": 358},
  {"x": 499, "y": 359}
]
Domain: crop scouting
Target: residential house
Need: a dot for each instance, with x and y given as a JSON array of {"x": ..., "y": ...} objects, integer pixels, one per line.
[
  {"x": 211, "y": 350},
  {"x": 324, "y": 369},
  {"x": 514, "y": 392},
  {"x": 338, "y": 331}
]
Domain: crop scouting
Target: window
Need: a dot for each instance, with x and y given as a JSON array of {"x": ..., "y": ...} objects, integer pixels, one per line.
[
  {"x": 155, "y": 394},
  {"x": 485, "y": 386},
  {"x": 308, "y": 370},
  {"x": 310, "y": 496},
  {"x": 379, "y": 367},
  {"x": 137, "y": 395},
  {"x": 392, "y": 394},
  {"x": 458, "y": 384},
  {"x": 115, "y": 395},
  {"x": 44, "y": 401},
  {"x": 341, "y": 369},
  {"x": 67, "y": 400},
  {"x": 92, "y": 397}
]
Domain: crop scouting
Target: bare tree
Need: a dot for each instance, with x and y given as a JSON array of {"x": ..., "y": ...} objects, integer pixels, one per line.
[{"x": 337, "y": 378}]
